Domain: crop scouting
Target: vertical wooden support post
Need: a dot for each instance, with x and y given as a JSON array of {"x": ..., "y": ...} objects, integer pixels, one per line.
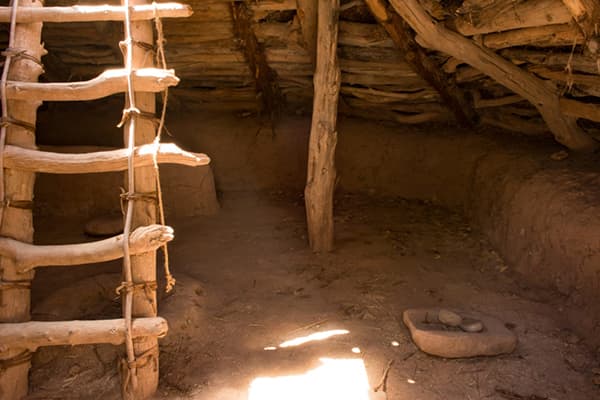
[
  {"x": 320, "y": 182},
  {"x": 143, "y": 266},
  {"x": 17, "y": 219}
]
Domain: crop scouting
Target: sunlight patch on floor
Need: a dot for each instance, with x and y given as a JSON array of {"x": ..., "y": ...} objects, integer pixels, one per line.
[
  {"x": 313, "y": 337},
  {"x": 334, "y": 379}
]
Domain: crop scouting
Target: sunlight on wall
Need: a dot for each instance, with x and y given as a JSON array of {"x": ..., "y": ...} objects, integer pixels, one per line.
[{"x": 334, "y": 379}]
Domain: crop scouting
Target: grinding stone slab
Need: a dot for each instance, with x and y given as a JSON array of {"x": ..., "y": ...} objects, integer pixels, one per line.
[{"x": 433, "y": 338}]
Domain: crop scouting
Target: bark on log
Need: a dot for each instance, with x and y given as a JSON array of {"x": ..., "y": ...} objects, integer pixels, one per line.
[
  {"x": 543, "y": 36},
  {"x": 96, "y": 13},
  {"x": 32, "y": 335},
  {"x": 539, "y": 93},
  {"x": 109, "y": 82},
  {"x": 578, "y": 109},
  {"x": 506, "y": 15},
  {"x": 578, "y": 62},
  {"x": 27, "y": 256},
  {"x": 18, "y": 185},
  {"x": 265, "y": 78},
  {"x": 320, "y": 182},
  {"x": 422, "y": 64},
  {"x": 307, "y": 14},
  {"x": 102, "y": 161}
]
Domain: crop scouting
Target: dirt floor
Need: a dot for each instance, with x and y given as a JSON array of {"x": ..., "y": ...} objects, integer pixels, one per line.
[{"x": 247, "y": 282}]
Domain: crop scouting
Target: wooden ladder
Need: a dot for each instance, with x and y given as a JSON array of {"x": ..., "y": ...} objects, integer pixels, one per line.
[{"x": 20, "y": 161}]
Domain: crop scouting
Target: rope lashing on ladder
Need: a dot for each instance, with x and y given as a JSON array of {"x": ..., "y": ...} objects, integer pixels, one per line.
[
  {"x": 16, "y": 54},
  {"x": 5, "y": 117},
  {"x": 127, "y": 272},
  {"x": 22, "y": 358},
  {"x": 6, "y": 121},
  {"x": 7, "y": 284},
  {"x": 130, "y": 115},
  {"x": 147, "y": 287},
  {"x": 162, "y": 61}
]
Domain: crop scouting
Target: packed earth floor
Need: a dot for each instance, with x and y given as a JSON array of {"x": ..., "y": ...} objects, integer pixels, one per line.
[{"x": 247, "y": 283}]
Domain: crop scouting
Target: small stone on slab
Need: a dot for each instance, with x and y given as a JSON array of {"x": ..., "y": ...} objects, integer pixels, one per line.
[
  {"x": 449, "y": 318},
  {"x": 471, "y": 325},
  {"x": 433, "y": 337}
]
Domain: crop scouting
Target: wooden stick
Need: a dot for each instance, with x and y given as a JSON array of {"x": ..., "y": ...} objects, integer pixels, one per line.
[
  {"x": 506, "y": 15},
  {"x": 542, "y": 36},
  {"x": 102, "y": 161},
  {"x": 502, "y": 101},
  {"x": 27, "y": 256},
  {"x": 107, "y": 83},
  {"x": 422, "y": 64},
  {"x": 96, "y": 13},
  {"x": 381, "y": 97},
  {"x": 578, "y": 109},
  {"x": 513, "y": 123},
  {"x": 17, "y": 223},
  {"x": 539, "y": 93},
  {"x": 31, "y": 335},
  {"x": 578, "y": 62},
  {"x": 563, "y": 76},
  {"x": 323, "y": 135}
]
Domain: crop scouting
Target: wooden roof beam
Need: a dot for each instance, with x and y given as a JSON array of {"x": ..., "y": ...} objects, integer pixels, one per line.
[
  {"x": 423, "y": 65},
  {"x": 542, "y": 95}
]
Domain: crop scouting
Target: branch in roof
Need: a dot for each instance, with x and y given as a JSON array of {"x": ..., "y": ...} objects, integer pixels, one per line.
[
  {"x": 265, "y": 78},
  {"x": 426, "y": 67},
  {"x": 541, "y": 94},
  {"x": 587, "y": 15}
]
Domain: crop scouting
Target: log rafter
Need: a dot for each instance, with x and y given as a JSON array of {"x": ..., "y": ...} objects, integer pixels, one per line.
[
  {"x": 542, "y": 95},
  {"x": 423, "y": 65}
]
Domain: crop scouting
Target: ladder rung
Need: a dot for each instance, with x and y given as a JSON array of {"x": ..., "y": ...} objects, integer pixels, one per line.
[
  {"x": 29, "y": 256},
  {"x": 107, "y": 83},
  {"x": 101, "y": 161},
  {"x": 31, "y": 335},
  {"x": 96, "y": 13}
]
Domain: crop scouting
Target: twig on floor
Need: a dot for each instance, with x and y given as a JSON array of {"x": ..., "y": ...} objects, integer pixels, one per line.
[
  {"x": 383, "y": 381},
  {"x": 309, "y": 326},
  {"x": 510, "y": 395}
]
